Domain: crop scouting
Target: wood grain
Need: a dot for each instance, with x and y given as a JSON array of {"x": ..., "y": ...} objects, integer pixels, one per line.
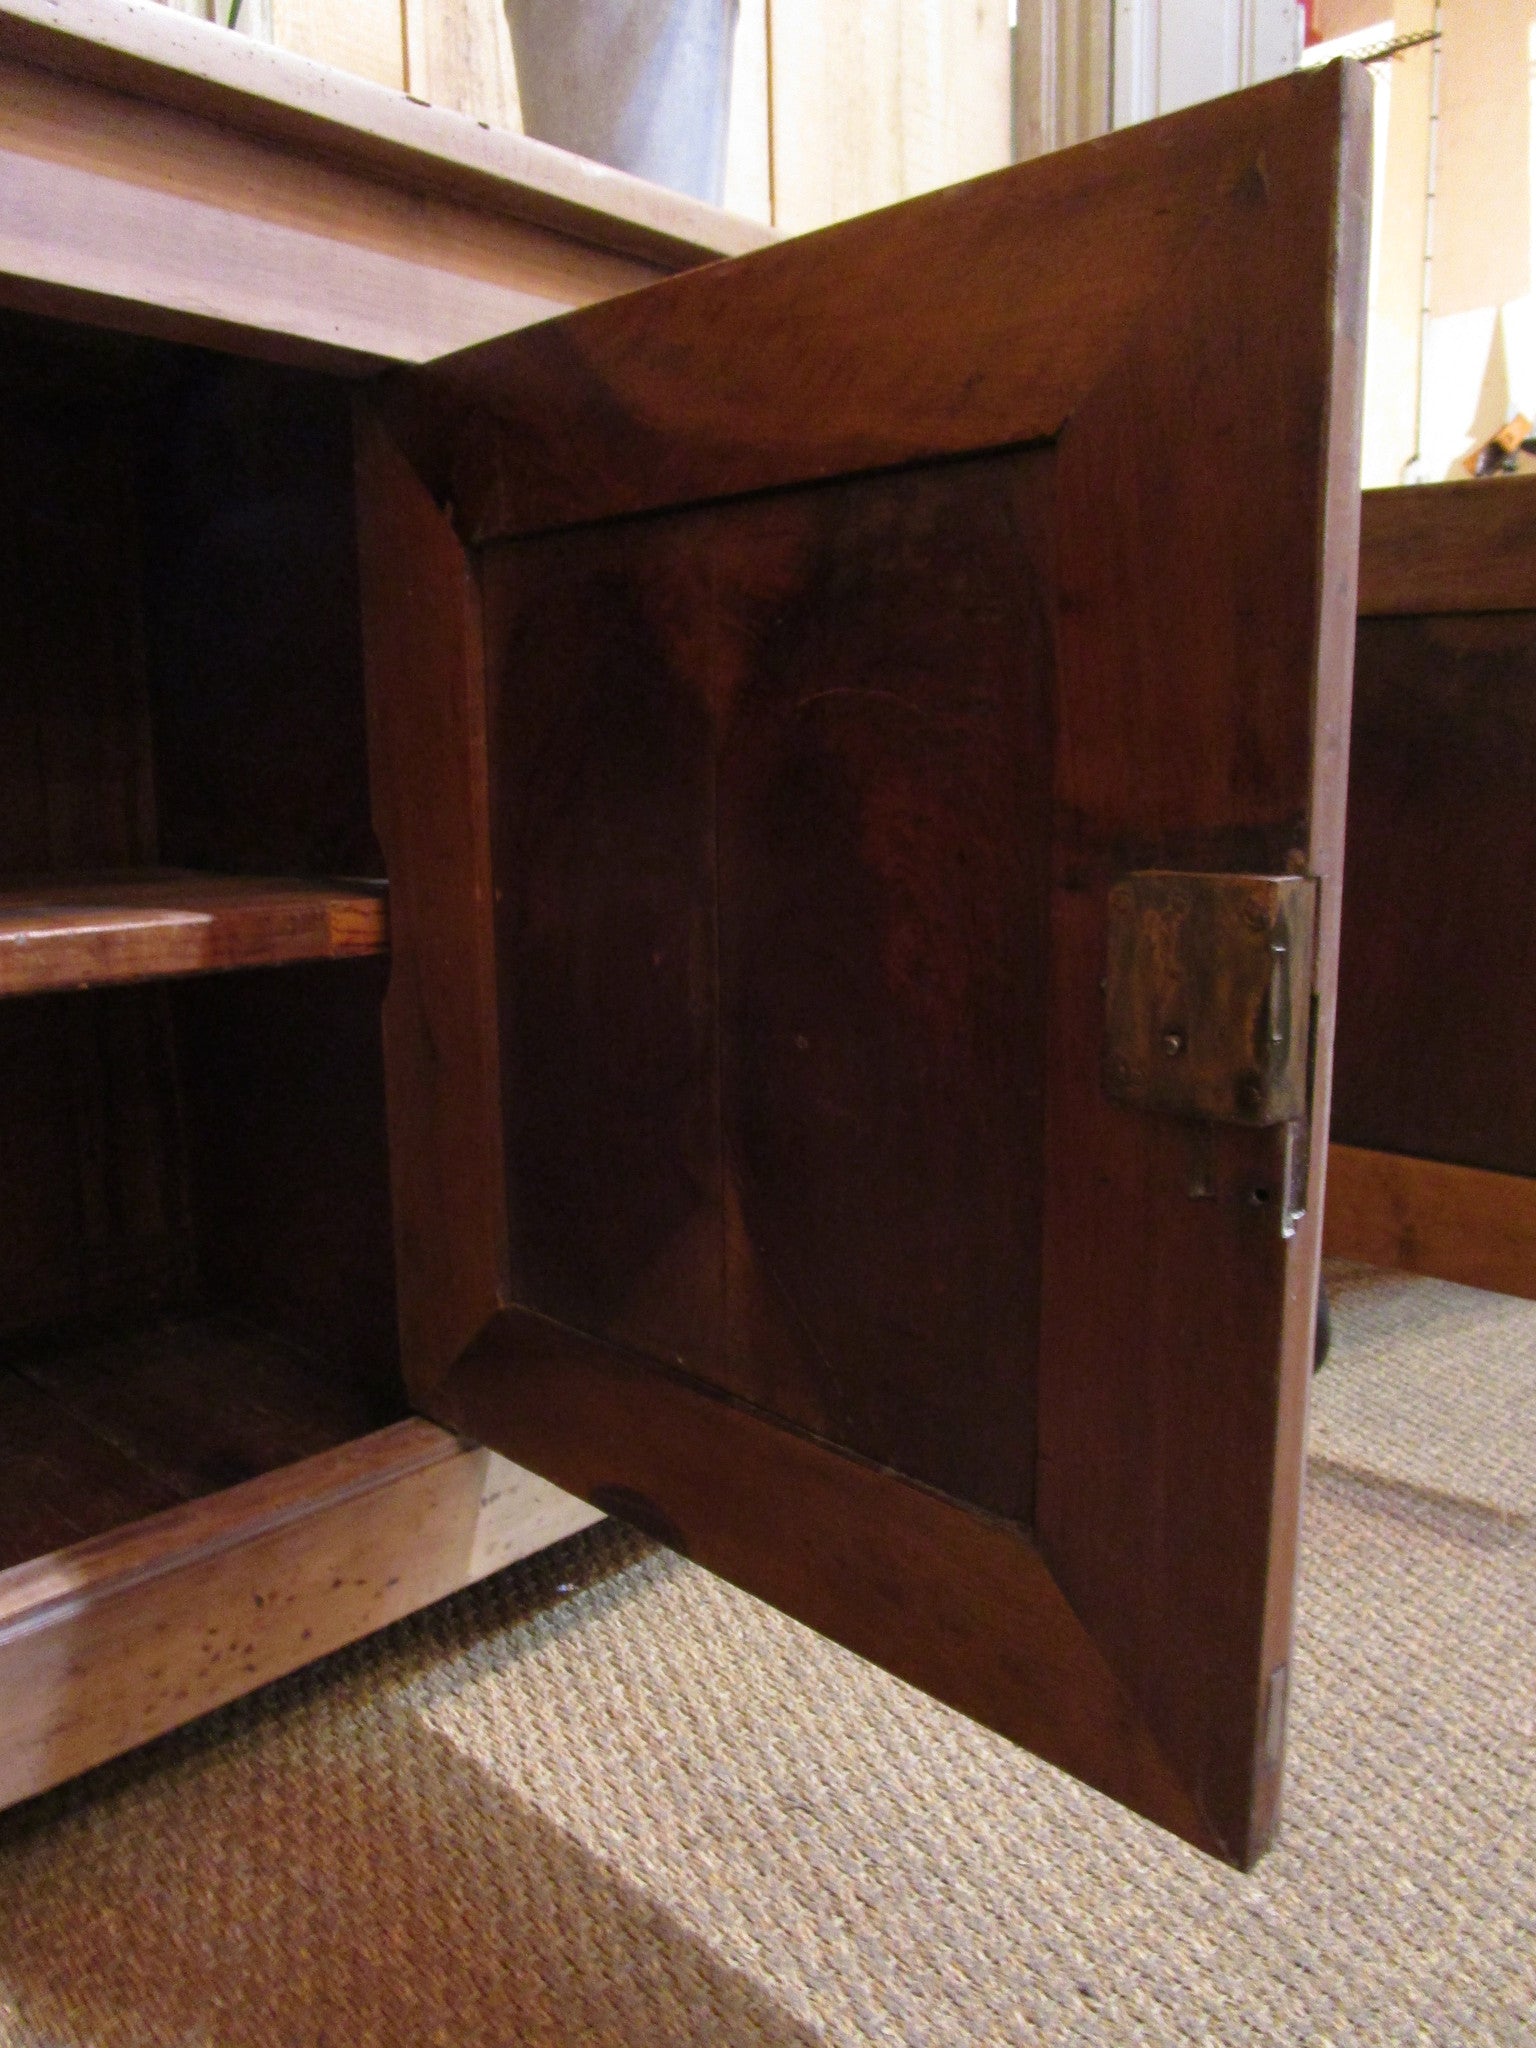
[
  {"x": 1181, "y": 1561},
  {"x": 1193, "y": 535},
  {"x": 192, "y": 1403},
  {"x": 282, "y": 1111},
  {"x": 877, "y": 102},
  {"x": 106, "y": 1643},
  {"x": 248, "y": 89},
  {"x": 152, "y": 219},
  {"x": 959, "y": 1604},
  {"x": 983, "y": 314},
  {"x": 90, "y": 931},
  {"x": 92, "y": 1201},
  {"x": 770, "y": 931},
  {"x": 459, "y": 55},
  {"x": 1457, "y": 547},
  {"x": 60, "y": 1481},
  {"x": 1438, "y": 975},
  {"x": 427, "y": 759},
  {"x": 1423, "y": 1216},
  {"x": 365, "y": 38}
]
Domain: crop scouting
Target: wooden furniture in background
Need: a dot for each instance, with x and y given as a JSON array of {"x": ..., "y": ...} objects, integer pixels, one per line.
[
  {"x": 208, "y": 1473},
  {"x": 1433, "y": 1161},
  {"x": 756, "y": 741}
]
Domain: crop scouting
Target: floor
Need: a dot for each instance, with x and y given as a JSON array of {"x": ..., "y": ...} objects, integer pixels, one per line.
[{"x": 606, "y": 1800}]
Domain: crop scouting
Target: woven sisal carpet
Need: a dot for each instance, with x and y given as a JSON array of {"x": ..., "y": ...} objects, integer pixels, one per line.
[{"x": 606, "y": 1800}]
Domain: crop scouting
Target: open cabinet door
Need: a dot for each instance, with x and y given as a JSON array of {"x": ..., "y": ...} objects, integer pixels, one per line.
[{"x": 859, "y": 742}]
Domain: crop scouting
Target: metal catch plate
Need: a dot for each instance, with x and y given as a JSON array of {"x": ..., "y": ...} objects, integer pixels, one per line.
[{"x": 1209, "y": 995}]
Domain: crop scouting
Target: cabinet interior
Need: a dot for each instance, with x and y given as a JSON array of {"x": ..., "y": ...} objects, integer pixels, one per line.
[{"x": 196, "y": 1276}]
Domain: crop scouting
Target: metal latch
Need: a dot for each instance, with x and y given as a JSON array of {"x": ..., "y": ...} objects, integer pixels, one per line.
[{"x": 1209, "y": 995}]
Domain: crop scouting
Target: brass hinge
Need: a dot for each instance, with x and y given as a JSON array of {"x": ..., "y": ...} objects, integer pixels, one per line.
[{"x": 1208, "y": 995}]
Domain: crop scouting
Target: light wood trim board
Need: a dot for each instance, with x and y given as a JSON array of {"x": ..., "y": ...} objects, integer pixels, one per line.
[
  {"x": 110, "y": 1642},
  {"x": 160, "y": 175},
  {"x": 1423, "y": 1216},
  {"x": 90, "y": 931}
]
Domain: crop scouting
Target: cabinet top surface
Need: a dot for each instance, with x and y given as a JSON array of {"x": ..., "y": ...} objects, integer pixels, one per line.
[{"x": 152, "y": 53}]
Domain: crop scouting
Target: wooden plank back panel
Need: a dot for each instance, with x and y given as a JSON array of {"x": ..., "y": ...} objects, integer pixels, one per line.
[{"x": 92, "y": 1201}]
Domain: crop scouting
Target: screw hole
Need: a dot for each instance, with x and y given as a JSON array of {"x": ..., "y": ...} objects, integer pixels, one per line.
[{"x": 1258, "y": 1197}]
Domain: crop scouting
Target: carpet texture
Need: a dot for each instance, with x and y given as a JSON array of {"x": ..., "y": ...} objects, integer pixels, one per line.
[{"x": 604, "y": 1799}]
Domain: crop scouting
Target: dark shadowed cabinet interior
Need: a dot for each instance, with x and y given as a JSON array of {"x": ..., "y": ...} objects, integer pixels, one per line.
[
  {"x": 1433, "y": 1165},
  {"x": 733, "y": 896}
]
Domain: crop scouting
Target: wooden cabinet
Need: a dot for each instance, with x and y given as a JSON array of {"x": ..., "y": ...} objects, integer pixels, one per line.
[
  {"x": 1434, "y": 1127},
  {"x": 209, "y": 1471},
  {"x": 750, "y": 699}
]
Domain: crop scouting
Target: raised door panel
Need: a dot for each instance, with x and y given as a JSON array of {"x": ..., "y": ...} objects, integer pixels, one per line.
[{"x": 772, "y": 674}]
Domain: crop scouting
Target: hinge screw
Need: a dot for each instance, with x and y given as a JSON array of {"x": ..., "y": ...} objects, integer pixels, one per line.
[{"x": 1173, "y": 1043}]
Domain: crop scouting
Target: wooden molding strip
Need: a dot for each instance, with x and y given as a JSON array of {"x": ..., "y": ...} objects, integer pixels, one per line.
[
  {"x": 1423, "y": 1216},
  {"x": 1458, "y": 547},
  {"x": 113, "y": 1641},
  {"x": 91, "y": 931},
  {"x": 161, "y": 221},
  {"x": 155, "y": 53}
]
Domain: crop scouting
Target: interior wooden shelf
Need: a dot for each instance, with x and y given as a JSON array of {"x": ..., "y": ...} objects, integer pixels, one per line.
[
  {"x": 99, "y": 1430},
  {"x": 88, "y": 931}
]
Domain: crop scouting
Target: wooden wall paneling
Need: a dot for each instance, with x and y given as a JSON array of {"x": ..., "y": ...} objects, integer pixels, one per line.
[
  {"x": 90, "y": 1163},
  {"x": 1063, "y": 76},
  {"x": 365, "y": 37},
  {"x": 283, "y": 1085},
  {"x": 1331, "y": 18},
  {"x": 109, "y": 1642},
  {"x": 1184, "y": 1438},
  {"x": 873, "y": 103},
  {"x": 459, "y": 55}
]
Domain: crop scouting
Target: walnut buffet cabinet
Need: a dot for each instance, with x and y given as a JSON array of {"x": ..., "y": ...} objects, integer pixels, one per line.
[{"x": 733, "y": 895}]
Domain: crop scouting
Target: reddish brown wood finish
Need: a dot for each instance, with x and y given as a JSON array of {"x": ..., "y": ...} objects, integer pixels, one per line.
[
  {"x": 1456, "y": 547},
  {"x": 855, "y": 763},
  {"x": 1438, "y": 967},
  {"x": 426, "y": 750},
  {"x": 92, "y": 930},
  {"x": 822, "y": 880}
]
